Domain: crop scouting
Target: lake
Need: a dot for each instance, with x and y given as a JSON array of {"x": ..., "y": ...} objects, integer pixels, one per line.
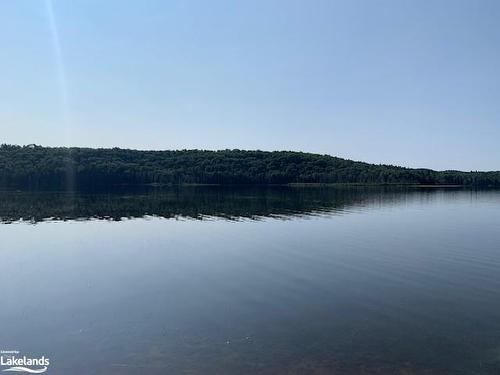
[{"x": 253, "y": 280}]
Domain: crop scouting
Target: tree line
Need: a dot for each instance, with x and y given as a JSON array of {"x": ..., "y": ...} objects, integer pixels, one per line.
[{"x": 36, "y": 167}]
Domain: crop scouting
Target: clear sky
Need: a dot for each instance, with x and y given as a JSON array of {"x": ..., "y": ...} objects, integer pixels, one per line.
[{"x": 413, "y": 83}]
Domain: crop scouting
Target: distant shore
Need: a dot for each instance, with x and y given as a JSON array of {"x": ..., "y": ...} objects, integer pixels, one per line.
[
  {"x": 37, "y": 167},
  {"x": 377, "y": 184}
]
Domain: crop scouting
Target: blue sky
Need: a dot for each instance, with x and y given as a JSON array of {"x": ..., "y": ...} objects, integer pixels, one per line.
[{"x": 413, "y": 83}]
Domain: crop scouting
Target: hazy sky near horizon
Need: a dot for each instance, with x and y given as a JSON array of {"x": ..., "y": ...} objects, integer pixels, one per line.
[{"x": 413, "y": 83}]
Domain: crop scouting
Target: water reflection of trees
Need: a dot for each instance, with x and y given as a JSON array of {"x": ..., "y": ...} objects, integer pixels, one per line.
[{"x": 196, "y": 202}]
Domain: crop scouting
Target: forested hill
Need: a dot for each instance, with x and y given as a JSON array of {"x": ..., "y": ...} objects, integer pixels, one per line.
[{"x": 36, "y": 167}]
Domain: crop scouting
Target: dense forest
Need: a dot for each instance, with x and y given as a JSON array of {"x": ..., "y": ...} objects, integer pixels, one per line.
[{"x": 36, "y": 167}]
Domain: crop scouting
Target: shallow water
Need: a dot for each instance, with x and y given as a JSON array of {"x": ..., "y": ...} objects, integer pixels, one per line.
[{"x": 207, "y": 280}]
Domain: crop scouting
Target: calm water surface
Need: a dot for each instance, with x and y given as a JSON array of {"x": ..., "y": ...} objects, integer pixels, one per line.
[{"x": 256, "y": 280}]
